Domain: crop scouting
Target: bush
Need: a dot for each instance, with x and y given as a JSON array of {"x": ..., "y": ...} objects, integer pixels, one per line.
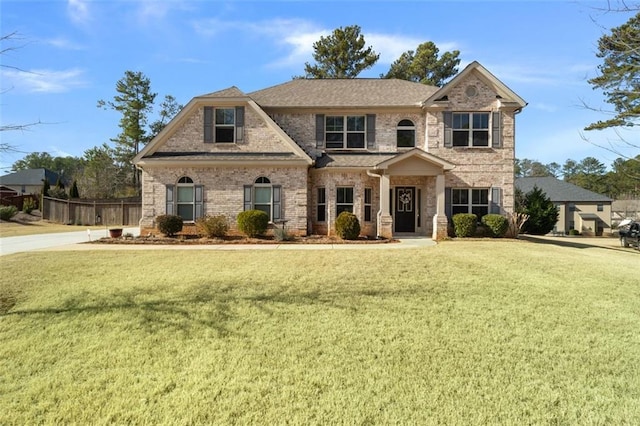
[
  {"x": 282, "y": 235},
  {"x": 574, "y": 232},
  {"x": 7, "y": 212},
  {"x": 212, "y": 226},
  {"x": 347, "y": 226},
  {"x": 496, "y": 224},
  {"x": 169, "y": 224},
  {"x": 29, "y": 205},
  {"x": 253, "y": 223},
  {"x": 543, "y": 214},
  {"x": 464, "y": 224}
]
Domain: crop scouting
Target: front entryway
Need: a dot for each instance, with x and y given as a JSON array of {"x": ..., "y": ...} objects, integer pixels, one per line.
[{"x": 404, "y": 209}]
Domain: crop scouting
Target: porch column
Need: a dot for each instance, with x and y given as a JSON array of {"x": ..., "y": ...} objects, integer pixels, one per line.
[
  {"x": 385, "y": 221},
  {"x": 440, "y": 221}
]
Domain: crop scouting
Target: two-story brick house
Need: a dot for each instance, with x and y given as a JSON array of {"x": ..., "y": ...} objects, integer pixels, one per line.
[{"x": 404, "y": 157}]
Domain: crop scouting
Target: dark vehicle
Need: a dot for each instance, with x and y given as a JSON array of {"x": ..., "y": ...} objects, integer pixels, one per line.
[{"x": 630, "y": 234}]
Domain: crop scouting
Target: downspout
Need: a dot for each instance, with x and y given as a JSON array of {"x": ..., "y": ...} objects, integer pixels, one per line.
[{"x": 379, "y": 214}]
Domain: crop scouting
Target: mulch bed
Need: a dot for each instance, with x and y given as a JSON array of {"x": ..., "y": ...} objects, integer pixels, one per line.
[{"x": 193, "y": 240}]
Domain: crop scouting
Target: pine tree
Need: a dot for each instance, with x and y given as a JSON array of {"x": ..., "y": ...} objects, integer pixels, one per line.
[
  {"x": 424, "y": 66},
  {"x": 543, "y": 214}
]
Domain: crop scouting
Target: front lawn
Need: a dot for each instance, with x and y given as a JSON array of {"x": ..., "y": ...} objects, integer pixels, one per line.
[{"x": 467, "y": 332}]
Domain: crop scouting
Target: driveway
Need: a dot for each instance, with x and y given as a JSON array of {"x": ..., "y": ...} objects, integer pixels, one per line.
[{"x": 9, "y": 245}]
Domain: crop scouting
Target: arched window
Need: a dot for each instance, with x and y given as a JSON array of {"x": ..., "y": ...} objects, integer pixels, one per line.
[
  {"x": 406, "y": 134},
  {"x": 185, "y": 198},
  {"x": 262, "y": 195}
]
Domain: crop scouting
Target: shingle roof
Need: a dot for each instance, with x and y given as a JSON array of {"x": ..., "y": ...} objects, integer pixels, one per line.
[
  {"x": 348, "y": 93},
  {"x": 29, "y": 177},
  {"x": 348, "y": 159},
  {"x": 230, "y": 92},
  {"x": 558, "y": 190}
]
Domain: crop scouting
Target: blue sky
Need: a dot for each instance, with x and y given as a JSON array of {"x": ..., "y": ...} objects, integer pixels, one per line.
[{"x": 71, "y": 53}]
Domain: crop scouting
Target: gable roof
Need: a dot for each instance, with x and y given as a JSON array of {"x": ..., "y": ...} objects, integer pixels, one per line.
[
  {"x": 506, "y": 95},
  {"x": 560, "y": 191},
  {"x": 29, "y": 177},
  {"x": 347, "y": 93},
  {"x": 230, "y": 96}
]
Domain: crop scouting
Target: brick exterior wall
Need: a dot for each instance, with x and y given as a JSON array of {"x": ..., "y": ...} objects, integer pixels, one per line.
[{"x": 224, "y": 191}]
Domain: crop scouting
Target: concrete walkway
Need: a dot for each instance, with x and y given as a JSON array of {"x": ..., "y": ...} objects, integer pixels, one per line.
[
  {"x": 71, "y": 241},
  {"x": 9, "y": 245}
]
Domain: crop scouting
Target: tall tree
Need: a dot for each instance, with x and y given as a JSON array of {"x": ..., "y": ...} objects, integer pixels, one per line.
[
  {"x": 65, "y": 167},
  {"x": 341, "y": 55},
  {"x": 101, "y": 177},
  {"x": 135, "y": 102},
  {"x": 618, "y": 79},
  {"x": 424, "y": 66},
  {"x": 543, "y": 214},
  {"x": 169, "y": 107},
  {"x": 589, "y": 174},
  {"x": 531, "y": 168}
]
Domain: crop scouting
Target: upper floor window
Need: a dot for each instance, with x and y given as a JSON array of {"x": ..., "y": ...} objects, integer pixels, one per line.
[
  {"x": 225, "y": 124},
  {"x": 345, "y": 131},
  {"x": 471, "y": 129},
  {"x": 406, "y": 134}
]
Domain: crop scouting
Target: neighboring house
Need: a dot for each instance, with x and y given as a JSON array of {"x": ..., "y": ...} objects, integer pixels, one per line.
[
  {"x": 625, "y": 209},
  {"x": 580, "y": 209},
  {"x": 28, "y": 181},
  {"x": 403, "y": 156}
]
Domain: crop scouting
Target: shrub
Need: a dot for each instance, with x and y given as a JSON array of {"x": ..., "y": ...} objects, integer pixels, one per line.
[
  {"x": 169, "y": 224},
  {"x": 464, "y": 224},
  {"x": 212, "y": 226},
  {"x": 29, "y": 205},
  {"x": 496, "y": 224},
  {"x": 574, "y": 232},
  {"x": 282, "y": 235},
  {"x": 543, "y": 214},
  {"x": 347, "y": 226},
  {"x": 7, "y": 212},
  {"x": 253, "y": 223}
]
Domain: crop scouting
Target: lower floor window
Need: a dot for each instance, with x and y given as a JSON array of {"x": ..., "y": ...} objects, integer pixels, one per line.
[
  {"x": 367, "y": 204},
  {"x": 344, "y": 200},
  {"x": 184, "y": 199},
  {"x": 262, "y": 195},
  {"x": 321, "y": 213},
  {"x": 474, "y": 201}
]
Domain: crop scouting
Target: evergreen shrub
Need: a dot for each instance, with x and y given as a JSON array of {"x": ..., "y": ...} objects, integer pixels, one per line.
[
  {"x": 253, "y": 223},
  {"x": 169, "y": 224},
  {"x": 464, "y": 224},
  {"x": 347, "y": 226},
  {"x": 7, "y": 212},
  {"x": 496, "y": 224}
]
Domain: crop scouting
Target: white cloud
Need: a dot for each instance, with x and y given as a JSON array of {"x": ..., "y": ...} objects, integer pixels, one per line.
[
  {"x": 45, "y": 81},
  {"x": 57, "y": 152},
  {"x": 78, "y": 11},
  {"x": 65, "y": 44}
]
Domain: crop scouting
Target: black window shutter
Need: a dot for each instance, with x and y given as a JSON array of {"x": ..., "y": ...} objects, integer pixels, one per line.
[
  {"x": 239, "y": 124},
  {"x": 170, "y": 189},
  {"x": 371, "y": 131},
  {"x": 319, "y": 130},
  {"x": 496, "y": 194},
  {"x": 248, "y": 204},
  {"x": 208, "y": 124},
  {"x": 277, "y": 202},
  {"x": 447, "y": 202},
  {"x": 496, "y": 135},
  {"x": 199, "y": 195},
  {"x": 448, "y": 132}
]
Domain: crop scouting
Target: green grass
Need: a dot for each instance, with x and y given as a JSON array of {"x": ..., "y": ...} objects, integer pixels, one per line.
[{"x": 478, "y": 332}]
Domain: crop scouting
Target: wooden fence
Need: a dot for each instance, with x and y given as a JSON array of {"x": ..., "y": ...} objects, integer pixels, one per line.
[
  {"x": 18, "y": 200},
  {"x": 107, "y": 213}
]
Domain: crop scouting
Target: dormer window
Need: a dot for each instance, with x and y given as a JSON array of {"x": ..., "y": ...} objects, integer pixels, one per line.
[
  {"x": 406, "y": 134},
  {"x": 223, "y": 125}
]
